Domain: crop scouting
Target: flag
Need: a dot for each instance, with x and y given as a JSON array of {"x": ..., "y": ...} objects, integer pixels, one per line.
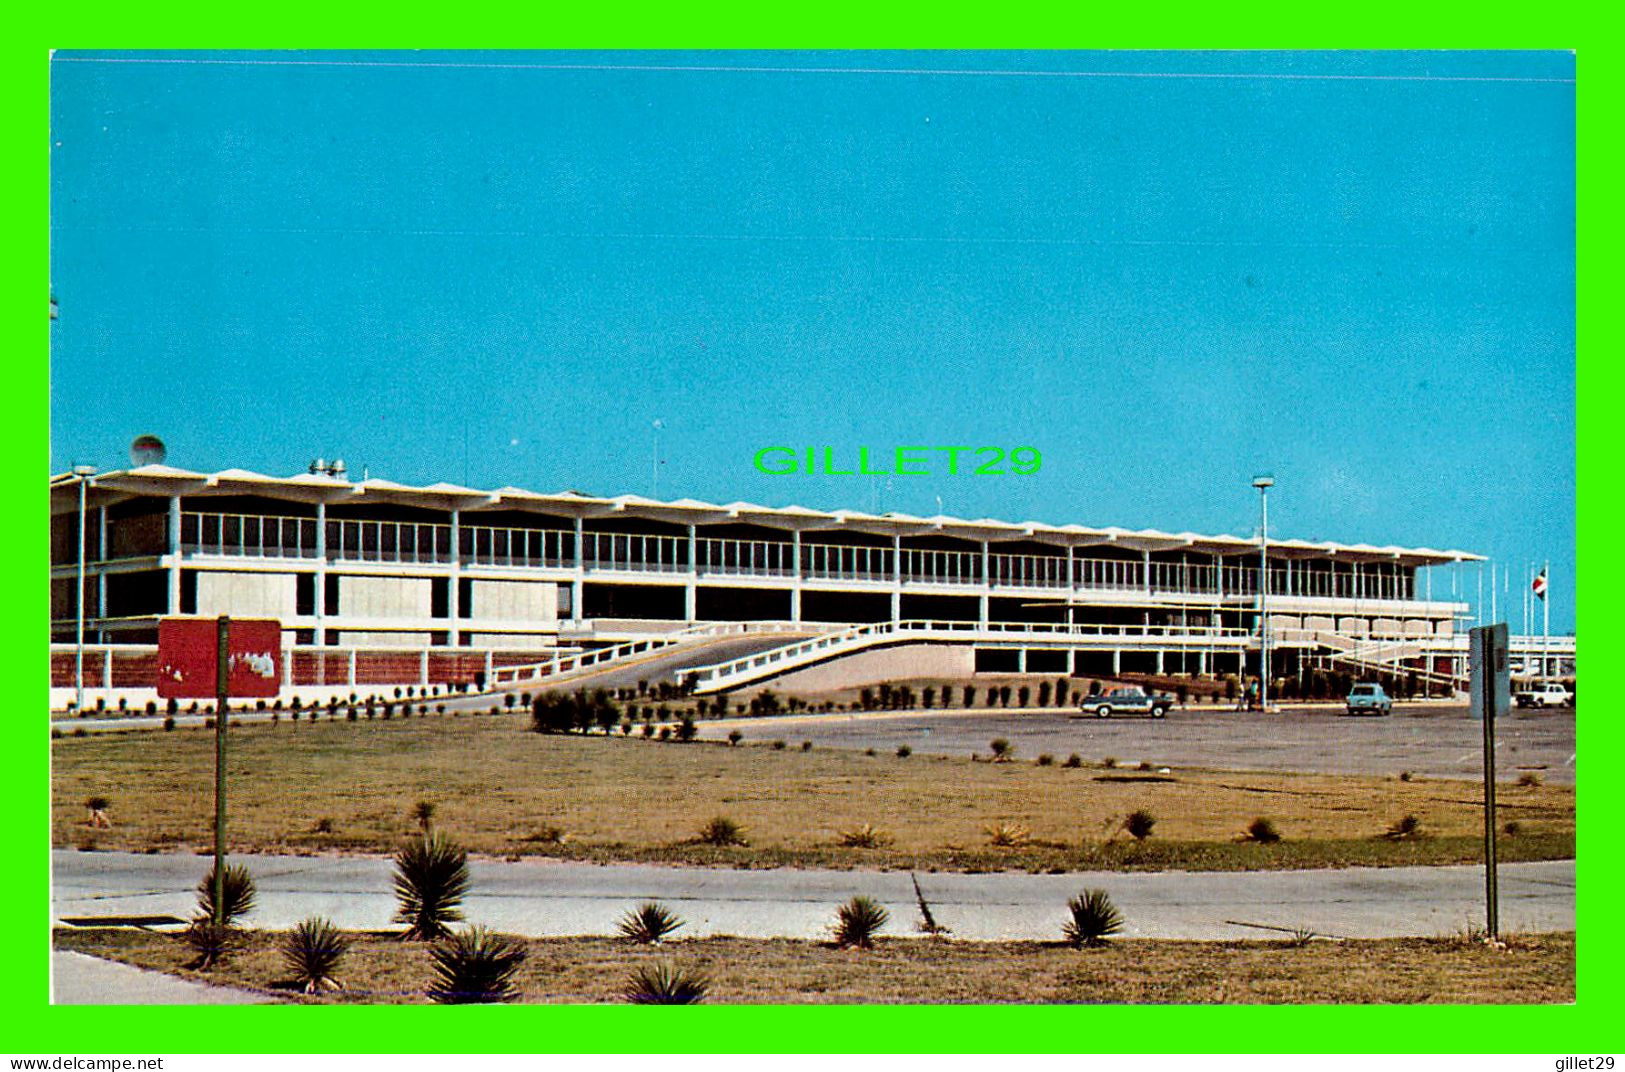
[{"x": 1540, "y": 585}]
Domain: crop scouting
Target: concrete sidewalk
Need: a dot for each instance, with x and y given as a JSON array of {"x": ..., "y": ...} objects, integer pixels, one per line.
[{"x": 78, "y": 979}]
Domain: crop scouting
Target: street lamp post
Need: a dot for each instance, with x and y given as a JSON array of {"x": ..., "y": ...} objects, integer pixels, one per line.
[
  {"x": 84, "y": 473},
  {"x": 1263, "y": 483}
]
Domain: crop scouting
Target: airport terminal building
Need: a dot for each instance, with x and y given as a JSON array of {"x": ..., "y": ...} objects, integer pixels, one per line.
[{"x": 377, "y": 582}]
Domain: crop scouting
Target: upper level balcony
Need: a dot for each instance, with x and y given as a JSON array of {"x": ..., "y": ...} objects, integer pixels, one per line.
[{"x": 1202, "y": 577}]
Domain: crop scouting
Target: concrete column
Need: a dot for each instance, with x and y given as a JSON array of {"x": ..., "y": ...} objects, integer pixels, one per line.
[
  {"x": 320, "y": 635},
  {"x": 987, "y": 585},
  {"x": 795, "y": 576},
  {"x": 577, "y": 583},
  {"x": 490, "y": 666},
  {"x": 423, "y": 667},
  {"x": 1145, "y": 566},
  {"x": 691, "y": 591},
  {"x": 1201, "y": 663},
  {"x": 173, "y": 549},
  {"x": 1159, "y": 660},
  {"x": 1218, "y": 575},
  {"x": 1117, "y": 661},
  {"x": 454, "y": 587},
  {"x": 1021, "y": 660},
  {"x": 287, "y": 666},
  {"x": 350, "y": 672},
  {"x": 896, "y": 578}
]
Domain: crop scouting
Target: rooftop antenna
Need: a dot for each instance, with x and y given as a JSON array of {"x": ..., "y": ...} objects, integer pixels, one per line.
[{"x": 655, "y": 468}]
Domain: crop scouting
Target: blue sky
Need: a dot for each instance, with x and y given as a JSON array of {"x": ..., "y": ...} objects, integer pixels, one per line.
[{"x": 1165, "y": 271}]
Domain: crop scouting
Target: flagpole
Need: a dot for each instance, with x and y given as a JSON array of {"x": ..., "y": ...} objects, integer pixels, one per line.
[
  {"x": 1492, "y": 593},
  {"x": 1546, "y": 619}
]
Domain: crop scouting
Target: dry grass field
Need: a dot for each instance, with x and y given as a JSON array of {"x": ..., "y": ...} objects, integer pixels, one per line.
[
  {"x": 501, "y": 790},
  {"x": 380, "y": 968}
]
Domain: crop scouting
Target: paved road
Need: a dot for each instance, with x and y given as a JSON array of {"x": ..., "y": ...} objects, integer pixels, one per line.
[
  {"x": 555, "y": 898},
  {"x": 1427, "y": 739},
  {"x": 77, "y": 979}
]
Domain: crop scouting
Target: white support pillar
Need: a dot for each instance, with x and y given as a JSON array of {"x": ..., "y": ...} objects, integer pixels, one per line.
[
  {"x": 691, "y": 589},
  {"x": 1201, "y": 663},
  {"x": 490, "y": 666},
  {"x": 795, "y": 576},
  {"x": 1021, "y": 660},
  {"x": 1218, "y": 574},
  {"x": 350, "y": 672},
  {"x": 320, "y": 635},
  {"x": 454, "y": 586},
  {"x": 896, "y": 578},
  {"x": 1145, "y": 567},
  {"x": 107, "y": 669},
  {"x": 423, "y": 667},
  {"x": 287, "y": 667},
  {"x": 1159, "y": 660},
  {"x": 1117, "y": 661},
  {"x": 578, "y": 582},
  {"x": 987, "y": 586},
  {"x": 173, "y": 550}
]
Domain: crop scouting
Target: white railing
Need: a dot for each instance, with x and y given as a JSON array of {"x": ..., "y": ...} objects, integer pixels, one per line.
[
  {"x": 551, "y": 548},
  {"x": 569, "y": 665},
  {"x": 777, "y": 660}
]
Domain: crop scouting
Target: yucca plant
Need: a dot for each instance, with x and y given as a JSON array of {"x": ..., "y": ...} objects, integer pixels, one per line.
[
  {"x": 649, "y": 923},
  {"x": 866, "y": 836},
  {"x": 1263, "y": 831},
  {"x": 1139, "y": 824},
  {"x": 1007, "y": 835},
  {"x": 475, "y": 967},
  {"x": 423, "y": 812},
  {"x": 431, "y": 877},
  {"x": 721, "y": 830},
  {"x": 663, "y": 984},
  {"x": 313, "y": 950},
  {"x": 209, "y": 940},
  {"x": 1092, "y": 917},
  {"x": 238, "y": 895},
  {"x": 858, "y": 921}
]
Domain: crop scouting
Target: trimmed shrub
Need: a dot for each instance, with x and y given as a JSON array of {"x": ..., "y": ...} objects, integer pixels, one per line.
[
  {"x": 1139, "y": 824},
  {"x": 904, "y": 751},
  {"x": 1002, "y": 752},
  {"x": 1262, "y": 831}
]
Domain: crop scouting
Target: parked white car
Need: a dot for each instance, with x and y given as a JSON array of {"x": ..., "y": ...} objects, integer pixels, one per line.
[{"x": 1545, "y": 694}]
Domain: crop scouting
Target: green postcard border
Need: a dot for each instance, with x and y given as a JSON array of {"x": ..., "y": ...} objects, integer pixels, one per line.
[{"x": 34, "y": 1026}]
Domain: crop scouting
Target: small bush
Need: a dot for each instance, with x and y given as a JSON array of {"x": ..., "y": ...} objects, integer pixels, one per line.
[
  {"x": 866, "y": 836},
  {"x": 721, "y": 830},
  {"x": 1045, "y": 760},
  {"x": 431, "y": 878},
  {"x": 423, "y": 814},
  {"x": 734, "y": 737},
  {"x": 324, "y": 825},
  {"x": 1139, "y": 824},
  {"x": 313, "y": 951},
  {"x": 1407, "y": 827},
  {"x": 1262, "y": 831},
  {"x": 1405, "y": 776},
  {"x": 210, "y": 941},
  {"x": 1007, "y": 835},
  {"x": 169, "y": 722},
  {"x": 1529, "y": 779},
  {"x": 778, "y": 746},
  {"x": 1074, "y": 761},
  {"x": 1110, "y": 763},
  {"x": 475, "y": 967},
  {"x": 806, "y": 746},
  {"x": 237, "y": 894},
  {"x": 858, "y": 921},
  {"x": 649, "y": 922},
  {"x": 1002, "y": 752},
  {"x": 662, "y": 984},
  {"x": 1091, "y": 918},
  {"x": 904, "y": 751},
  {"x": 1512, "y": 828}
]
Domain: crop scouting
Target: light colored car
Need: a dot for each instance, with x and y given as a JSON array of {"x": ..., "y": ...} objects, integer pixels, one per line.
[
  {"x": 1368, "y": 698},
  {"x": 1545, "y": 694}
]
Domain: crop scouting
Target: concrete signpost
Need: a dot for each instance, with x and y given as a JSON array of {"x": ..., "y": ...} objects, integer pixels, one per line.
[
  {"x": 1490, "y": 698},
  {"x": 202, "y": 657}
]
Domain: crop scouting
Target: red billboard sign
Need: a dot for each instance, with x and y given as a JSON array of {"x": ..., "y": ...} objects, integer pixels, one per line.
[{"x": 188, "y": 657}]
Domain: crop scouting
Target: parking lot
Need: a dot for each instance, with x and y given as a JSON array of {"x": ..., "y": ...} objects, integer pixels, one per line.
[{"x": 1425, "y": 739}]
